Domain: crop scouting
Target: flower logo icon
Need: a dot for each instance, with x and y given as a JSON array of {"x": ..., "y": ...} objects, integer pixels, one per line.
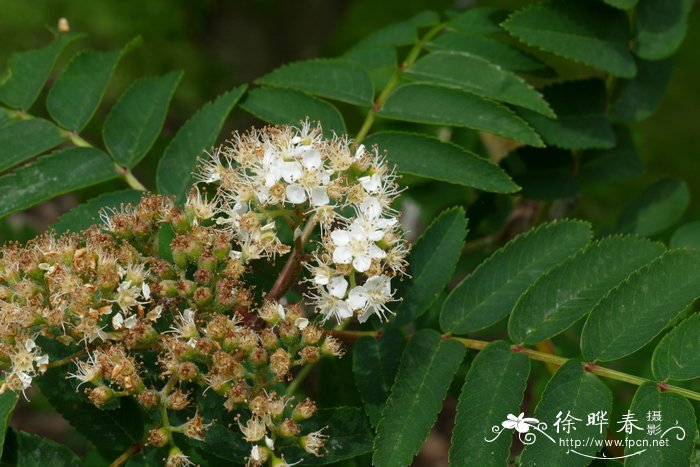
[{"x": 520, "y": 423}]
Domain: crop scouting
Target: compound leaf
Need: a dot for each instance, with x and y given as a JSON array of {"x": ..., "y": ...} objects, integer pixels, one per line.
[
  {"x": 638, "y": 309},
  {"x": 570, "y": 290},
  {"x": 489, "y": 293}
]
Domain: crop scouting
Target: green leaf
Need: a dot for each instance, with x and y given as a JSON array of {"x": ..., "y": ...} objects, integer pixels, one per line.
[
  {"x": 581, "y": 122},
  {"x": 76, "y": 94},
  {"x": 135, "y": 121},
  {"x": 675, "y": 411},
  {"x": 427, "y": 367},
  {"x": 8, "y": 401},
  {"x": 28, "y": 450},
  {"x": 426, "y": 103},
  {"x": 428, "y": 157},
  {"x": 622, "y": 162},
  {"x": 489, "y": 293},
  {"x": 505, "y": 55},
  {"x": 198, "y": 134},
  {"x": 432, "y": 262},
  {"x": 676, "y": 355},
  {"x": 638, "y": 309},
  {"x": 660, "y": 27},
  {"x": 638, "y": 98},
  {"x": 570, "y": 390},
  {"x": 330, "y": 78},
  {"x": 24, "y": 139},
  {"x": 687, "y": 236},
  {"x": 112, "y": 431},
  {"x": 493, "y": 388},
  {"x": 589, "y": 32},
  {"x": 655, "y": 208},
  {"x": 569, "y": 291},
  {"x": 284, "y": 106},
  {"x": 622, "y": 4},
  {"x": 28, "y": 71},
  {"x": 52, "y": 175},
  {"x": 86, "y": 214},
  {"x": 375, "y": 362},
  {"x": 478, "y": 21},
  {"x": 479, "y": 76}
]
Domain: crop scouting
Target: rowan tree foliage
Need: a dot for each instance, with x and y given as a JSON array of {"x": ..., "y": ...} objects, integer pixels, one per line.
[{"x": 257, "y": 302}]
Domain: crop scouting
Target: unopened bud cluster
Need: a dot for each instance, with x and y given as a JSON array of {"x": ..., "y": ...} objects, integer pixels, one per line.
[{"x": 181, "y": 283}]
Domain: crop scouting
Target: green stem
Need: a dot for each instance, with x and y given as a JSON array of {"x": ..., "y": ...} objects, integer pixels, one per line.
[
  {"x": 125, "y": 173},
  {"x": 132, "y": 181},
  {"x": 126, "y": 455},
  {"x": 553, "y": 360},
  {"x": 298, "y": 379},
  {"x": 394, "y": 81}
]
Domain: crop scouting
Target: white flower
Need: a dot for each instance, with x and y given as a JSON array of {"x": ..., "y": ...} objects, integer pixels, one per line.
[
  {"x": 354, "y": 246},
  {"x": 88, "y": 371},
  {"x": 520, "y": 423},
  {"x": 371, "y": 297},
  {"x": 331, "y": 306},
  {"x": 185, "y": 327}
]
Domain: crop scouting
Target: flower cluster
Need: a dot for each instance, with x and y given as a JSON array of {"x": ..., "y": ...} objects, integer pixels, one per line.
[
  {"x": 297, "y": 173},
  {"x": 165, "y": 304}
]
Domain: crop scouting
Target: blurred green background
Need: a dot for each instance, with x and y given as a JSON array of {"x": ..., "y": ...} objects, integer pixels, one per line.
[{"x": 223, "y": 43}]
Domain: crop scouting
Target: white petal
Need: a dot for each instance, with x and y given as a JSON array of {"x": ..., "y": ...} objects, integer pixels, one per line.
[
  {"x": 117, "y": 321},
  {"x": 311, "y": 159},
  {"x": 146, "y": 290},
  {"x": 41, "y": 360},
  {"x": 342, "y": 255},
  {"x": 319, "y": 196},
  {"x": 25, "y": 379},
  {"x": 296, "y": 193},
  {"x": 29, "y": 345},
  {"x": 269, "y": 443},
  {"x": 361, "y": 263},
  {"x": 291, "y": 171},
  {"x": 376, "y": 235},
  {"x": 371, "y": 183},
  {"x": 321, "y": 278},
  {"x": 255, "y": 453},
  {"x": 371, "y": 207},
  {"x": 301, "y": 323},
  {"x": 509, "y": 424},
  {"x": 338, "y": 286},
  {"x": 376, "y": 252},
  {"x": 358, "y": 297},
  {"x": 130, "y": 322},
  {"x": 280, "y": 312},
  {"x": 360, "y": 151},
  {"x": 342, "y": 310},
  {"x": 340, "y": 237}
]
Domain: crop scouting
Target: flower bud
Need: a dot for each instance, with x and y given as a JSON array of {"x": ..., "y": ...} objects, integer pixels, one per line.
[
  {"x": 280, "y": 363},
  {"x": 304, "y": 410},
  {"x": 309, "y": 354},
  {"x": 100, "y": 395},
  {"x": 148, "y": 398},
  {"x": 158, "y": 437},
  {"x": 289, "y": 428},
  {"x": 203, "y": 296}
]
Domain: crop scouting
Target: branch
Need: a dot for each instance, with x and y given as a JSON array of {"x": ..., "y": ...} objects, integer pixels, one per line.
[{"x": 550, "y": 359}]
